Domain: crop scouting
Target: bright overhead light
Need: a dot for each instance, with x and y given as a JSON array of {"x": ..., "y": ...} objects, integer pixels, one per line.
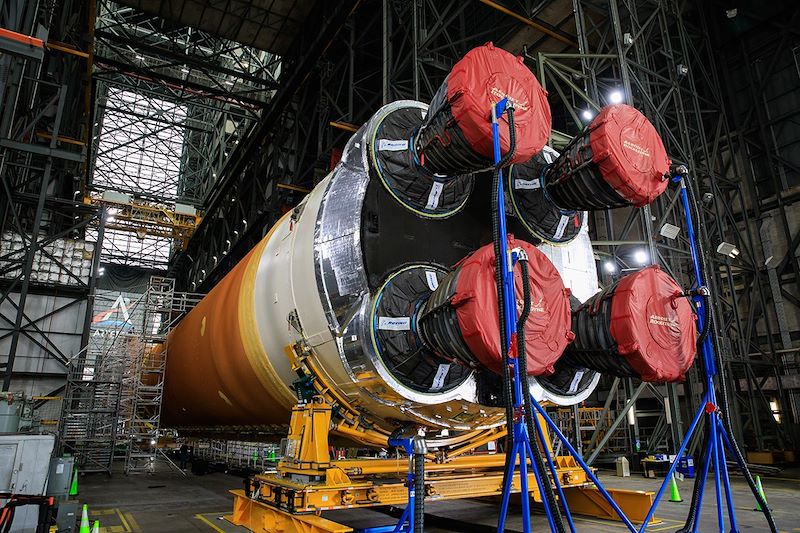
[
  {"x": 185, "y": 70},
  {"x": 140, "y": 58},
  {"x": 616, "y": 97},
  {"x": 587, "y": 114},
  {"x": 728, "y": 249},
  {"x": 640, "y": 256},
  {"x": 610, "y": 266},
  {"x": 228, "y": 82}
]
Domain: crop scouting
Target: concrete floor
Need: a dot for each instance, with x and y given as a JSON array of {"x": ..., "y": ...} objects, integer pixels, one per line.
[{"x": 169, "y": 502}]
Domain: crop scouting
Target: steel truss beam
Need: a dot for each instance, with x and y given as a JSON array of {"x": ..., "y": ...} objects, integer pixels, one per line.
[
  {"x": 282, "y": 148},
  {"x": 659, "y": 55},
  {"x": 43, "y": 137}
]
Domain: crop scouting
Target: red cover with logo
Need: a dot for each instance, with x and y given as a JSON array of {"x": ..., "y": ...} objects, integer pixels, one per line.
[
  {"x": 547, "y": 330},
  {"x": 654, "y": 325},
  {"x": 486, "y": 75},
  {"x": 629, "y": 153}
]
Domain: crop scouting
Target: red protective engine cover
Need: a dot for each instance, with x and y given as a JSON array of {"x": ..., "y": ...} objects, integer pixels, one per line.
[
  {"x": 629, "y": 153},
  {"x": 486, "y": 75},
  {"x": 547, "y": 330},
  {"x": 654, "y": 325}
]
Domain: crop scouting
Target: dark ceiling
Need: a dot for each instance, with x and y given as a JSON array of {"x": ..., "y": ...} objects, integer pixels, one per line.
[{"x": 269, "y": 25}]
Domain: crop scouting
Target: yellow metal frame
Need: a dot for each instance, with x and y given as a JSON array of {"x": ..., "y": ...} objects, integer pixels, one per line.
[
  {"x": 144, "y": 218},
  {"x": 257, "y": 516},
  {"x": 308, "y": 482}
]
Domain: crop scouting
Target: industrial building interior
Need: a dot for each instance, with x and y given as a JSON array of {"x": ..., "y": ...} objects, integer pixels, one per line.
[{"x": 399, "y": 265}]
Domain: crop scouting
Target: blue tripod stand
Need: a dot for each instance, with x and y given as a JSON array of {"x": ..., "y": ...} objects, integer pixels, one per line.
[
  {"x": 521, "y": 449},
  {"x": 717, "y": 438}
]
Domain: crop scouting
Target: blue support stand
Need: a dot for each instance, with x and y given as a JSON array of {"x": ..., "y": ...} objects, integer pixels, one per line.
[
  {"x": 521, "y": 449},
  {"x": 521, "y": 445},
  {"x": 406, "y": 522},
  {"x": 718, "y": 438}
]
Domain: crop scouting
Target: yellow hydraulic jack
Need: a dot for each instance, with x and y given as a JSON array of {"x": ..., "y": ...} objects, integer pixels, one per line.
[{"x": 308, "y": 482}]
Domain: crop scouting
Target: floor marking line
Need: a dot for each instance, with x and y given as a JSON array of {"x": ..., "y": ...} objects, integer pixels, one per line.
[
  {"x": 132, "y": 521},
  {"x": 210, "y": 524},
  {"x": 124, "y": 522}
]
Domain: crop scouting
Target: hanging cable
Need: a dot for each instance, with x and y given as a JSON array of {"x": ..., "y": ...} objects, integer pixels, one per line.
[
  {"x": 725, "y": 415},
  {"x": 522, "y": 361},
  {"x": 508, "y": 398}
]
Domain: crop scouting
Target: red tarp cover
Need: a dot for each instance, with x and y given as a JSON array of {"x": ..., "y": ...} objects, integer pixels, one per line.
[
  {"x": 485, "y": 76},
  {"x": 630, "y": 154},
  {"x": 547, "y": 330},
  {"x": 653, "y": 325}
]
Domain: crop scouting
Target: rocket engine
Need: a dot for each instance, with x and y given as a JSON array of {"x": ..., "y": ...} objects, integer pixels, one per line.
[{"x": 384, "y": 274}]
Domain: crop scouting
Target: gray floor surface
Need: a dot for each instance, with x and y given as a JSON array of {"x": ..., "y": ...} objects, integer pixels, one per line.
[{"x": 167, "y": 501}]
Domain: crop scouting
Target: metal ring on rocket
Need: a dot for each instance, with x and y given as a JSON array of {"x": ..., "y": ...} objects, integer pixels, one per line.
[
  {"x": 619, "y": 160},
  {"x": 456, "y": 137},
  {"x": 532, "y": 206},
  {"x": 641, "y": 326},
  {"x": 394, "y": 331},
  {"x": 465, "y": 308},
  {"x": 418, "y": 190}
]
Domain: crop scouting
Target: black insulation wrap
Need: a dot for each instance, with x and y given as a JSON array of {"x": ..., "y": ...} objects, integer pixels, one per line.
[
  {"x": 569, "y": 378},
  {"x": 575, "y": 182},
  {"x": 410, "y": 183},
  {"x": 408, "y": 359},
  {"x": 533, "y": 207},
  {"x": 594, "y": 347},
  {"x": 438, "y": 325},
  {"x": 440, "y": 144}
]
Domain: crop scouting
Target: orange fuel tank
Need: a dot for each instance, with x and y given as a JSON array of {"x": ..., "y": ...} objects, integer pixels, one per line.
[{"x": 218, "y": 372}]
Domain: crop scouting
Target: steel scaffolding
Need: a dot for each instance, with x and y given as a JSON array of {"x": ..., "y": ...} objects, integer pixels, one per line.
[
  {"x": 92, "y": 419},
  {"x": 44, "y": 95},
  {"x": 112, "y": 405}
]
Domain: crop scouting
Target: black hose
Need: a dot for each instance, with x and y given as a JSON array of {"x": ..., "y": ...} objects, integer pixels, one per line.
[
  {"x": 688, "y": 526},
  {"x": 508, "y": 398},
  {"x": 706, "y": 324},
  {"x": 726, "y": 422},
  {"x": 522, "y": 360},
  {"x": 419, "y": 492}
]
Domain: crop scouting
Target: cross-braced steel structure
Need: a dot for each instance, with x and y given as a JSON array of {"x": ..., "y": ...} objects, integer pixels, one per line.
[
  {"x": 45, "y": 67},
  {"x": 201, "y": 127},
  {"x": 659, "y": 55}
]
